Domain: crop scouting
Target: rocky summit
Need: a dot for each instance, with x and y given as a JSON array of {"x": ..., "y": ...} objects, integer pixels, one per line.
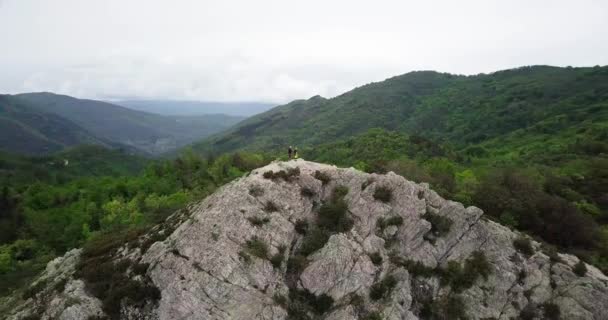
[{"x": 303, "y": 240}]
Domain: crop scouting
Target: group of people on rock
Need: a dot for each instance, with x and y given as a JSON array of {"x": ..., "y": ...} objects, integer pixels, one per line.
[{"x": 292, "y": 153}]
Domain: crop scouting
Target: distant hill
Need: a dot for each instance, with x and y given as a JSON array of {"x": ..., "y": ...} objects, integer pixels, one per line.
[
  {"x": 526, "y": 109},
  {"x": 42, "y": 123},
  {"x": 25, "y": 130},
  {"x": 187, "y": 108}
]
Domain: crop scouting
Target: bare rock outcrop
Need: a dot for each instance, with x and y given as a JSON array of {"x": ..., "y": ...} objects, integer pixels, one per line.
[{"x": 303, "y": 240}]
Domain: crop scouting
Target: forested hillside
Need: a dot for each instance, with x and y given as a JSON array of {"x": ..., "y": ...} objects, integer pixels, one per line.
[
  {"x": 529, "y": 106},
  {"x": 48, "y": 206},
  {"x": 43, "y": 123}
]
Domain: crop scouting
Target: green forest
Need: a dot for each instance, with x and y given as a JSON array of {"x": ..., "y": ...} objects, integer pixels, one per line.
[
  {"x": 47, "y": 208},
  {"x": 528, "y": 146}
]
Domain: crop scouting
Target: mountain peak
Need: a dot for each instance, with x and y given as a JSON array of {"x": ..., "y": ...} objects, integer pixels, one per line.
[{"x": 304, "y": 239}]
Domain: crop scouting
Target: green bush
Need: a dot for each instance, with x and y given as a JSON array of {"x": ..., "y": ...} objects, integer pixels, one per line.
[
  {"x": 448, "y": 307},
  {"x": 459, "y": 278},
  {"x": 322, "y": 176},
  {"x": 288, "y": 176},
  {"x": 256, "y": 190},
  {"x": 333, "y": 216},
  {"x": 303, "y": 300},
  {"x": 415, "y": 268},
  {"x": 307, "y": 192},
  {"x": 524, "y": 245},
  {"x": 529, "y": 312},
  {"x": 270, "y": 207},
  {"x": 314, "y": 240},
  {"x": 376, "y": 258},
  {"x": 374, "y": 315},
  {"x": 32, "y": 291},
  {"x": 280, "y": 300},
  {"x": 440, "y": 225},
  {"x": 296, "y": 264},
  {"x": 257, "y": 248},
  {"x": 60, "y": 285},
  {"x": 383, "y": 193},
  {"x": 244, "y": 256},
  {"x": 277, "y": 259},
  {"x": 551, "y": 311},
  {"x": 390, "y": 221},
  {"x": 257, "y": 221},
  {"x": 580, "y": 269},
  {"x": 383, "y": 288},
  {"x": 301, "y": 226},
  {"x": 340, "y": 192}
]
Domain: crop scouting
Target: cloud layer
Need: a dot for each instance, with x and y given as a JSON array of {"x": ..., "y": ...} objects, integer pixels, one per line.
[{"x": 280, "y": 50}]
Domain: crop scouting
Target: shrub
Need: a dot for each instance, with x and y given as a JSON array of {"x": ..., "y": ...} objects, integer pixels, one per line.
[
  {"x": 440, "y": 225},
  {"x": 60, "y": 285},
  {"x": 280, "y": 300},
  {"x": 314, "y": 240},
  {"x": 307, "y": 192},
  {"x": 478, "y": 264},
  {"x": 455, "y": 307},
  {"x": 288, "y": 175},
  {"x": 296, "y": 264},
  {"x": 383, "y": 288},
  {"x": 415, "y": 268},
  {"x": 551, "y": 311},
  {"x": 270, "y": 206},
  {"x": 257, "y": 247},
  {"x": 268, "y": 175},
  {"x": 383, "y": 193},
  {"x": 277, "y": 259},
  {"x": 244, "y": 257},
  {"x": 141, "y": 268},
  {"x": 551, "y": 251},
  {"x": 303, "y": 300},
  {"x": 459, "y": 278},
  {"x": 390, "y": 221},
  {"x": 32, "y": 291},
  {"x": 340, "y": 192},
  {"x": 521, "y": 276},
  {"x": 523, "y": 245},
  {"x": 580, "y": 269},
  {"x": 529, "y": 312},
  {"x": 322, "y": 176},
  {"x": 257, "y": 221},
  {"x": 333, "y": 216},
  {"x": 374, "y": 315},
  {"x": 255, "y": 190},
  {"x": 301, "y": 226},
  {"x": 451, "y": 305},
  {"x": 376, "y": 258}
]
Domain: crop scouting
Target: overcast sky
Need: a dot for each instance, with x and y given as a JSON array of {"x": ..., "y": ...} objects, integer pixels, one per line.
[{"x": 276, "y": 51}]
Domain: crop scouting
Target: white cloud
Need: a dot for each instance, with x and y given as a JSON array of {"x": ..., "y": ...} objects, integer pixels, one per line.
[{"x": 275, "y": 50}]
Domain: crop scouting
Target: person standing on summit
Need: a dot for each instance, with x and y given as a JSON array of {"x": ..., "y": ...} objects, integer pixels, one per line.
[{"x": 289, "y": 152}]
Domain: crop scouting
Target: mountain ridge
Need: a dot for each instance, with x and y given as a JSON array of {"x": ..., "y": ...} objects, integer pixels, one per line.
[
  {"x": 308, "y": 240},
  {"x": 84, "y": 121},
  {"x": 461, "y": 110}
]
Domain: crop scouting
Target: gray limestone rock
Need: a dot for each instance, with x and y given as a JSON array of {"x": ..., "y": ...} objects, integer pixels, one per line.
[{"x": 211, "y": 266}]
